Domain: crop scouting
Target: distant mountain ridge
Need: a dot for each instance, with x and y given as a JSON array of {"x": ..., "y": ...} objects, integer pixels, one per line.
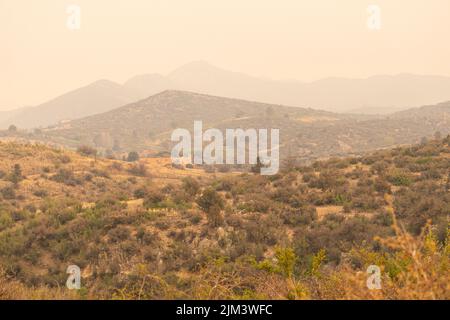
[
  {"x": 332, "y": 94},
  {"x": 98, "y": 97},
  {"x": 374, "y": 95}
]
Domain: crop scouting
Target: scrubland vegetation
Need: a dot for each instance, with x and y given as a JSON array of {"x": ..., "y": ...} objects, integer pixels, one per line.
[{"x": 145, "y": 230}]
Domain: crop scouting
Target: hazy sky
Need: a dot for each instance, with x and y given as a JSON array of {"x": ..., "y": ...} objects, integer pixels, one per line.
[{"x": 279, "y": 39}]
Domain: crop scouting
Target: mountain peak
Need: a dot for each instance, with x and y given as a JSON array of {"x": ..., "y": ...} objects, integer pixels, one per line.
[
  {"x": 175, "y": 93},
  {"x": 104, "y": 83}
]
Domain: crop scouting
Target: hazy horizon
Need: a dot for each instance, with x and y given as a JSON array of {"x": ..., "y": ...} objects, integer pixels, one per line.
[
  {"x": 41, "y": 58},
  {"x": 87, "y": 83}
]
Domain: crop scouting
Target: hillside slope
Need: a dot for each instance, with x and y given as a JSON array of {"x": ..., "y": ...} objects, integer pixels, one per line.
[
  {"x": 147, "y": 124},
  {"x": 305, "y": 133},
  {"x": 149, "y": 231}
]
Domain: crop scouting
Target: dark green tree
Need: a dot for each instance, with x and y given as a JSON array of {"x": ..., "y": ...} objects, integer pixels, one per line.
[
  {"x": 212, "y": 204},
  {"x": 12, "y": 128},
  {"x": 16, "y": 174},
  {"x": 133, "y": 156}
]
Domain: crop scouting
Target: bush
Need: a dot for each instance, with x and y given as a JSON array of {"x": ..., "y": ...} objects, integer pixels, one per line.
[
  {"x": 215, "y": 217},
  {"x": 119, "y": 233},
  {"x": 8, "y": 193},
  {"x": 6, "y": 221},
  {"x": 140, "y": 193},
  {"x": 400, "y": 179},
  {"x": 16, "y": 174},
  {"x": 191, "y": 186},
  {"x": 146, "y": 237},
  {"x": 138, "y": 170},
  {"x": 195, "y": 219},
  {"x": 65, "y": 176},
  {"x": 154, "y": 199},
  {"x": 133, "y": 156},
  {"x": 303, "y": 216},
  {"x": 41, "y": 193},
  {"x": 210, "y": 199},
  {"x": 87, "y": 151}
]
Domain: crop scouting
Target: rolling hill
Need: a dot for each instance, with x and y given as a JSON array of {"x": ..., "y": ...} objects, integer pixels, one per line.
[
  {"x": 147, "y": 124},
  {"x": 306, "y": 134}
]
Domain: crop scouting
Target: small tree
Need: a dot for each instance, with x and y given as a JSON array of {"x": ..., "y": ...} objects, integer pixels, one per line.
[
  {"x": 212, "y": 203},
  {"x": 191, "y": 186},
  {"x": 16, "y": 175},
  {"x": 286, "y": 260},
  {"x": 12, "y": 128},
  {"x": 214, "y": 216},
  {"x": 133, "y": 156},
  {"x": 209, "y": 199}
]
